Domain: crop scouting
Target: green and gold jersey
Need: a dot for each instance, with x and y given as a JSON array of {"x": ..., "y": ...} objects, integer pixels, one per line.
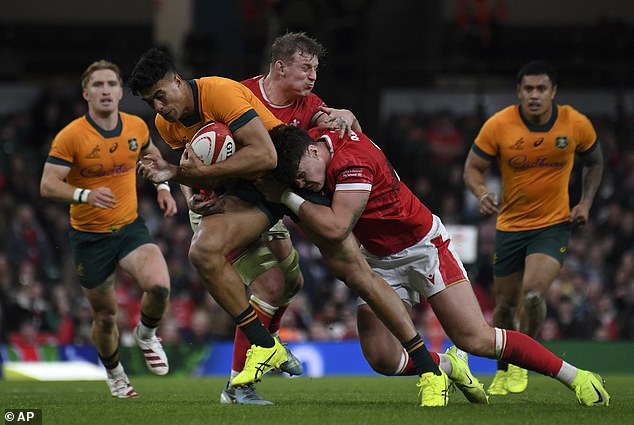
[
  {"x": 535, "y": 163},
  {"x": 99, "y": 158},
  {"x": 216, "y": 99}
]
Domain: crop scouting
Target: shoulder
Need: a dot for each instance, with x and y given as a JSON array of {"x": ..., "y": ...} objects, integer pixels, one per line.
[{"x": 73, "y": 129}]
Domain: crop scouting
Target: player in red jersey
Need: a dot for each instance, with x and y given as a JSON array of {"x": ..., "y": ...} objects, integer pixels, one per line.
[
  {"x": 405, "y": 244},
  {"x": 287, "y": 92},
  {"x": 182, "y": 108}
]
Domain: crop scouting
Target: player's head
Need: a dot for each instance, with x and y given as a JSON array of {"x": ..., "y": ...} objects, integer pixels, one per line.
[
  {"x": 294, "y": 61},
  {"x": 302, "y": 161},
  {"x": 536, "y": 89},
  {"x": 102, "y": 87},
  {"x": 156, "y": 79}
]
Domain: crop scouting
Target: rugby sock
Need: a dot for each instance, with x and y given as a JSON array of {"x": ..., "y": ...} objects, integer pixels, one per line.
[
  {"x": 276, "y": 320},
  {"x": 241, "y": 343},
  {"x": 422, "y": 359},
  {"x": 406, "y": 365},
  {"x": 147, "y": 326},
  {"x": 248, "y": 322},
  {"x": 112, "y": 361},
  {"x": 523, "y": 351}
]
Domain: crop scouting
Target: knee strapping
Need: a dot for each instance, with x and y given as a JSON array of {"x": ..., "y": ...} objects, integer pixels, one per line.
[
  {"x": 290, "y": 267},
  {"x": 254, "y": 262}
]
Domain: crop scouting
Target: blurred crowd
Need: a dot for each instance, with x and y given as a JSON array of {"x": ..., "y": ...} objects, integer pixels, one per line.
[{"x": 41, "y": 301}]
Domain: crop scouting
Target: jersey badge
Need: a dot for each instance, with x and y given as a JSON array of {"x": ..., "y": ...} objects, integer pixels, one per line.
[
  {"x": 561, "y": 142},
  {"x": 133, "y": 144}
]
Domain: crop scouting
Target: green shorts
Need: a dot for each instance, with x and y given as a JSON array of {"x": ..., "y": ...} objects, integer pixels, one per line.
[
  {"x": 96, "y": 254},
  {"x": 511, "y": 248}
]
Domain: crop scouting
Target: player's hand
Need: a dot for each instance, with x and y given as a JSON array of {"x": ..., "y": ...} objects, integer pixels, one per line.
[
  {"x": 580, "y": 213},
  {"x": 155, "y": 169},
  {"x": 190, "y": 164},
  {"x": 270, "y": 188},
  {"x": 339, "y": 119},
  {"x": 207, "y": 204},
  {"x": 102, "y": 197},
  {"x": 489, "y": 204},
  {"x": 166, "y": 203}
]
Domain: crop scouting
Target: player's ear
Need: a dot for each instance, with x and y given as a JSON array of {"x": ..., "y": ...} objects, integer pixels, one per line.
[{"x": 84, "y": 94}]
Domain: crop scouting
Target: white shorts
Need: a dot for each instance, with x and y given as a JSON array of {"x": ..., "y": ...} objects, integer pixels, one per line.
[{"x": 425, "y": 268}]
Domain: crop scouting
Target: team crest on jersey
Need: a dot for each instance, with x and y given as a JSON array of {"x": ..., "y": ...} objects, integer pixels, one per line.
[
  {"x": 133, "y": 144},
  {"x": 561, "y": 142},
  {"x": 94, "y": 153}
]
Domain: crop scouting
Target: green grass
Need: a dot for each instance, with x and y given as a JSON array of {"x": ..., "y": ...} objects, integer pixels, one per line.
[{"x": 349, "y": 400}]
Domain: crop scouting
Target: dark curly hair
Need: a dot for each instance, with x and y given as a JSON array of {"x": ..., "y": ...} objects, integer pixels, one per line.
[
  {"x": 151, "y": 67},
  {"x": 290, "y": 143}
]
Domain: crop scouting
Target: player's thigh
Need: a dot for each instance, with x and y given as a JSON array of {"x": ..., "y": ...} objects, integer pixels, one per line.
[
  {"x": 147, "y": 266},
  {"x": 459, "y": 312},
  {"x": 508, "y": 289},
  {"x": 539, "y": 273},
  {"x": 278, "y": 240},
  {"x": 374, "y": 336},
  {"x": 102, "y": 298},
  {"x": 240, "y": 225}
]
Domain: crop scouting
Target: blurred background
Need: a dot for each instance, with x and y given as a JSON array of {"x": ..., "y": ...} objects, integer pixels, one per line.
[{"x": 421, "y": 76}]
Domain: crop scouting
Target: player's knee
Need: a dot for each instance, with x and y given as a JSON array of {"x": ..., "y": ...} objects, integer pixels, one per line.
[
  {"x": 160, "y": 292},
  {"x": 534, "y": 300},
  {"x": 205, "y": 254},
  {"x": 380, "y": 364},
  {"x": 105, "y": 321},
  {"x": 292, "y": 274}
]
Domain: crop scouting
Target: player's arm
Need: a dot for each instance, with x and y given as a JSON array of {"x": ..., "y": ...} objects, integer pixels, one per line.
[
  {"x": 592, "y": 173},
  {"x": 474, "y": 177},
  {"x": 53, "y": 186},
  {"x": 334, "y": 222},
  {"x": 164, "y": 198}
]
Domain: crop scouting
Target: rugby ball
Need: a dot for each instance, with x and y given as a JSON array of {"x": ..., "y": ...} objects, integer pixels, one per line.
[{"x": 213, "y": 142}]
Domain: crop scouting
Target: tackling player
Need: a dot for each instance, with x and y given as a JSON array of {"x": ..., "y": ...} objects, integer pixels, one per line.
[{"x": 404, "y": 243}]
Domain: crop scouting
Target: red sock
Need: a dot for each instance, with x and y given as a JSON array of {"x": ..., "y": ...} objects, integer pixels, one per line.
[
  {"x": 276, "y": 320},
  {"x": 522, "y": 350},
  {"x": 410, "y": 370},
  {"x": 240, "y": 342}
]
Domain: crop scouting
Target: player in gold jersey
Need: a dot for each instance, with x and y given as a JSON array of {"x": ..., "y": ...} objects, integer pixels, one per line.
[
  {"x": 535, "y": 144},
  {"x": 183, "y": 107},
  {"x": 92, "y": 166}
]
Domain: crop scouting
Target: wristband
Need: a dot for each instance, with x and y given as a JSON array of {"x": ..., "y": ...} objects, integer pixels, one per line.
[
  {"x": 80, "y": 195},
  {"x": 292, "y": 201},
  {"x": 162, "y": 186},
  {"x": 484, "y": 195}
]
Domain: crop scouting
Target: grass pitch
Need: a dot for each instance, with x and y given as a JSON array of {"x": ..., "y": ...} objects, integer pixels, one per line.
[{"x": 337, "y": 400}]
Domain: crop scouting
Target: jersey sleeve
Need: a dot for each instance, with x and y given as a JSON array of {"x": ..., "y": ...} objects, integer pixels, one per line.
[
  {"x": 586, "y": 136},
  {"x": 485, "y": 143},
  {"x": 62, "y": 150}
]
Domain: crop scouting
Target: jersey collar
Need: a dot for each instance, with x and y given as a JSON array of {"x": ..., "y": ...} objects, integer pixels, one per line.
[
  {"x": 106, "y": 134},
  {"x": 195, "y": 117},
  {"x": 543, "y": 128}
]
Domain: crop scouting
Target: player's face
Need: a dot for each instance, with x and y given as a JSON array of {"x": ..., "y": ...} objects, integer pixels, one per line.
[
  {"x": 311, "y": 172},
  {"x": 103, "y": 92},
  {"x": 536, "y": 94},
  {"x": 167, "y": 98},
  {"x": 300, "y": 74}
]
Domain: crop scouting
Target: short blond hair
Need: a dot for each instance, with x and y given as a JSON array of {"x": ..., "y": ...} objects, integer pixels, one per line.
[{"x": 97, "y": 66}]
